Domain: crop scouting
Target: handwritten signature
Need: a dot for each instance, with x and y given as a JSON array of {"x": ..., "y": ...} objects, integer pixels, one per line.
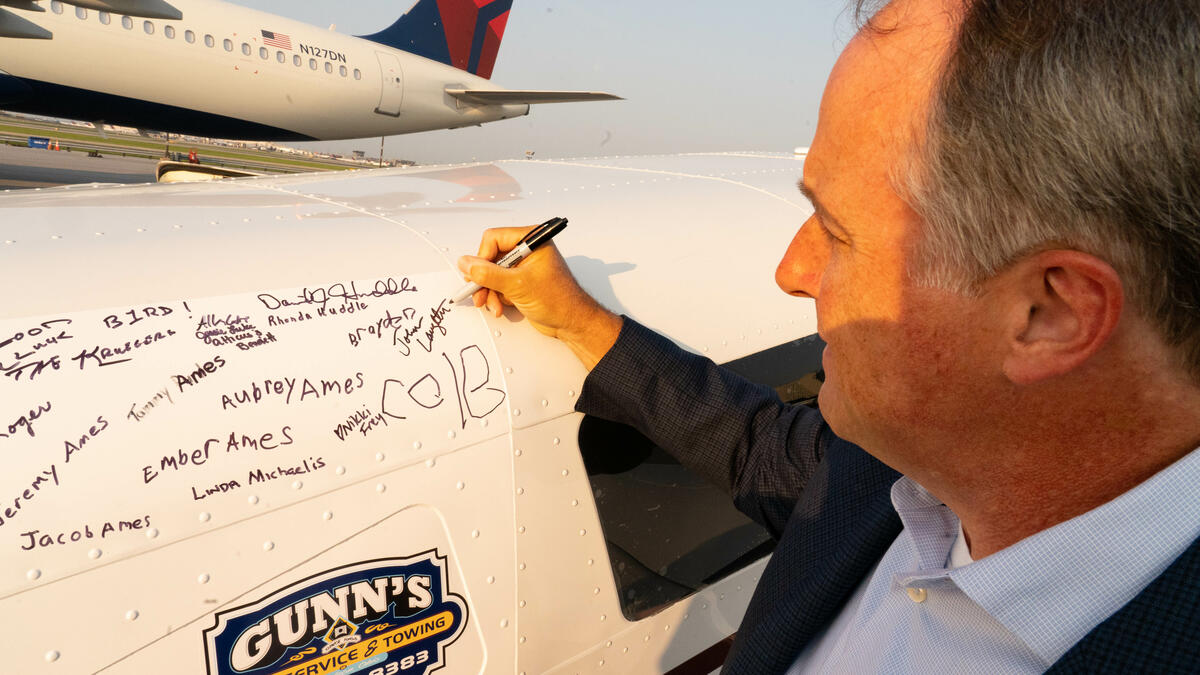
[{"x": 338, "y": 292}]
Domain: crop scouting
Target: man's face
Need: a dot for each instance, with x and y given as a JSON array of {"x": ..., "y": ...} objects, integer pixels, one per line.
[{"x": 902, "y": 362}]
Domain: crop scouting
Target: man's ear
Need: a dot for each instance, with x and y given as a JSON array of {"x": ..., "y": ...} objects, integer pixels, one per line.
[{"x": 1066, "y": 307}]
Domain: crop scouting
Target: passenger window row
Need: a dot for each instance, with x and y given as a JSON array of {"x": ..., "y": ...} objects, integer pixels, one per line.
[{"x": 189, "y": 36}]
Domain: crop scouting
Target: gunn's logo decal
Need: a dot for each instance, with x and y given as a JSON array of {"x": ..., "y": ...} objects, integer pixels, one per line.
[{"x": 382, "y": 616}]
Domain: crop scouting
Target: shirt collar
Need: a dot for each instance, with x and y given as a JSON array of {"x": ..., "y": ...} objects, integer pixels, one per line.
[{"x": 1053, "y": 588}]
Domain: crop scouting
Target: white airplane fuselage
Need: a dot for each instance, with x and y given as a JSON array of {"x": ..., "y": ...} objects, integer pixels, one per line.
[{"x": 212, "y": 73}]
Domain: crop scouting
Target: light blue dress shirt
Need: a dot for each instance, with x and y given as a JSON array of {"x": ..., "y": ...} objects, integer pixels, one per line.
[{"x": 1018, "y": 610}]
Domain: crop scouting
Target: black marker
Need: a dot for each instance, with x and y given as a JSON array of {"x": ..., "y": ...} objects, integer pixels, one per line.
[{"x": 536, "y": 237}]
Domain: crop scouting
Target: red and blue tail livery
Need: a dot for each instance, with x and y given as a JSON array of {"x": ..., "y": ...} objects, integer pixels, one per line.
[{"x": 465, "y": 34}]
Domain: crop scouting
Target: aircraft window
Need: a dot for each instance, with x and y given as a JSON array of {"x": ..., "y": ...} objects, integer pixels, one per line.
[
  {"x": 189, "y": 36},
  {"x": 312, "y": 64},
  {"x": 246, "y": 49},
  {"x": 105, "y": 17},
  {"x": 127, "y": 23},
  {"x": 228, "y": 44},
  {"x": 668, "y": 531},
  {"x": 148, "y": 26},
  {"x": 342, "y": 71},
  {"x": 280, "y": 57},
  {"x": 81, "y": 12},
  {"x": 296, "y": 60},
  {"x": 357, "y": 74},
  {"x": 56, "y": 7},
  {"x": 328, "y": 67},
  {"x": 209, "y": 41},
  {"x": 264, "y": 53},
  {"x": 169, "y": 31}
]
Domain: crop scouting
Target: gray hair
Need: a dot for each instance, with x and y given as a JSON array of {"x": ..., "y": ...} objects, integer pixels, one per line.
[{"x": 1069, "y": 124}]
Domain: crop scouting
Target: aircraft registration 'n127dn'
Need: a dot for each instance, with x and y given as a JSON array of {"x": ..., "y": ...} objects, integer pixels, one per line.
[{"x": 209, "y": 68}]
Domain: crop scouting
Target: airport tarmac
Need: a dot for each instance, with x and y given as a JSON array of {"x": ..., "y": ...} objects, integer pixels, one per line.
[{"x": 33, "y": 168}]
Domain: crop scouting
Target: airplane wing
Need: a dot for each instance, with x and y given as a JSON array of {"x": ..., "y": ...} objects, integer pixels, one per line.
[
  {"x": 240, "y": 431},
  {"x": 150, "y": 9},
  {"x": 527, "y": 96}
]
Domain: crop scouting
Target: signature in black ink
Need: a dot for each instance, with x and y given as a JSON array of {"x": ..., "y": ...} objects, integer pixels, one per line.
[
  {"x": 36, "y": 366},
  {"x": 476, "y": 399},
  {"x": 338, "y": 291},
  {"x": 26, "y": 421},
  {"x": 437, "y": 314},
  {"x": 103, "y": 356}
]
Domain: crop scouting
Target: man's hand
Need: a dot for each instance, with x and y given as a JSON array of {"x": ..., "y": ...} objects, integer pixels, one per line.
[{"x": 543, "y": 290}]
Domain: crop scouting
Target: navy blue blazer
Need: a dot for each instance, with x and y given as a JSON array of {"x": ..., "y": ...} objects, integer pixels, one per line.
[{"x": 828, "y": 503}]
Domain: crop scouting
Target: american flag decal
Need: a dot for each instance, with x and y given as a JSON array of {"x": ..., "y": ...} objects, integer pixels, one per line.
[{"x": 276, "y": 40}]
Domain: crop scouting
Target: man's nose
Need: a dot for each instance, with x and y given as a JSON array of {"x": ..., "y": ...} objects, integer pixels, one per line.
[{"x": 799, "y": 272}]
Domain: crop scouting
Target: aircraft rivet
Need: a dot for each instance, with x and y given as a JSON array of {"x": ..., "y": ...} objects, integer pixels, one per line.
[
  {"x": 517, "y": 452},
  {"x": 721, "y": 597},
  {"x": 268, "y": 545},
  {"x": 625, "y": 650},
  {"x": 596, "y": 591},
  {"x": 496, "y": 333},
  {"x": 522, "y": 639},
  {"x": 504, "y": 623},
  {"x": 341, "y": 470},
  {"x": 571, "y": 393},
  {"x": 379, "y": 457},
  {"x": 328, "y": 515},
  {"x": 131, "y": 615},
  {"x": 566, "y": 472},
  {"x": 152, "y": 533},
  {"x": 460, "y": 485},
  {"x": 602, "y": 618},
  {"x": 545, "y": 403},
  {"x": 522, "y": 568},
  {"x": 205, "y": 516},
  {"x": 491, "y": 580},
  {"x": 474, "y": 534},
  {"x": 574, "y": 502},
  {"x": 52, "y": 656},
  {"x": 430, "y": 463},
  {"x": 55, "y": 236},
  {"x": 508, "y": 371},
  {"x": 253, "y": 499},
  {"x": 608, "y": 644},
  {"x": 450, "y": 434},
  {"x": 591, "y": 561},
  {"x": 213, "y": 222},
  {"x": 245, "y": 220},
  {"x": 582, "y": 533},
  {"x": 557, "y": 441},
  {"x": 667, "y": 627},
  {"x": 685, "y": 617},
  {"x": 296, "y": 485},
  {"x": 417, "y": 446},
  {"x": 178, "y": 226},
  {"x": 203, "y": 578},
  {"x": 9, "y": 241},
  {"x": 646, "y": 639},
  {"x": 99, "y": 234},
  {"x": 33, "y": 575},
  {"x": 516, "y": 412},
  {"x": 521, "y": 530},
  {"x": 95, "y": 553},
  {"x": 521, "y": 603},
  {"x": 483, "y": 423}
]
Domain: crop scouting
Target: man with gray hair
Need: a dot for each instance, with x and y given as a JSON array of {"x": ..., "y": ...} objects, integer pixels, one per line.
[{"x": 1004, "y": 255}]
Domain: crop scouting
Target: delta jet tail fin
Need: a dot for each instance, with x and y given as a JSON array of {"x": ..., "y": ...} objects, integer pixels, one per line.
[
  {"x": 462, "y": 33},
  {"x": 517, "y": 96}
]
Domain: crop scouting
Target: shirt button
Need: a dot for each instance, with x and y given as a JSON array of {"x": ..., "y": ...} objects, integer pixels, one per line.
[{"x": 917, "y": 594}]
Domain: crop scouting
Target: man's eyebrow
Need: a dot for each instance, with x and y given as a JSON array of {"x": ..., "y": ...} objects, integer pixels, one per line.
[{"x": 816, "y": 203}]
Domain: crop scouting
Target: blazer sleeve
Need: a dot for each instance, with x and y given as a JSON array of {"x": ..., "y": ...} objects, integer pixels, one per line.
[{"x": 736, "y": 433}]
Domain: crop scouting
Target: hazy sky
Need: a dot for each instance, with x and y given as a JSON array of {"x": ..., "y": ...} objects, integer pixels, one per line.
[{"x": 699, "y": 75}]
